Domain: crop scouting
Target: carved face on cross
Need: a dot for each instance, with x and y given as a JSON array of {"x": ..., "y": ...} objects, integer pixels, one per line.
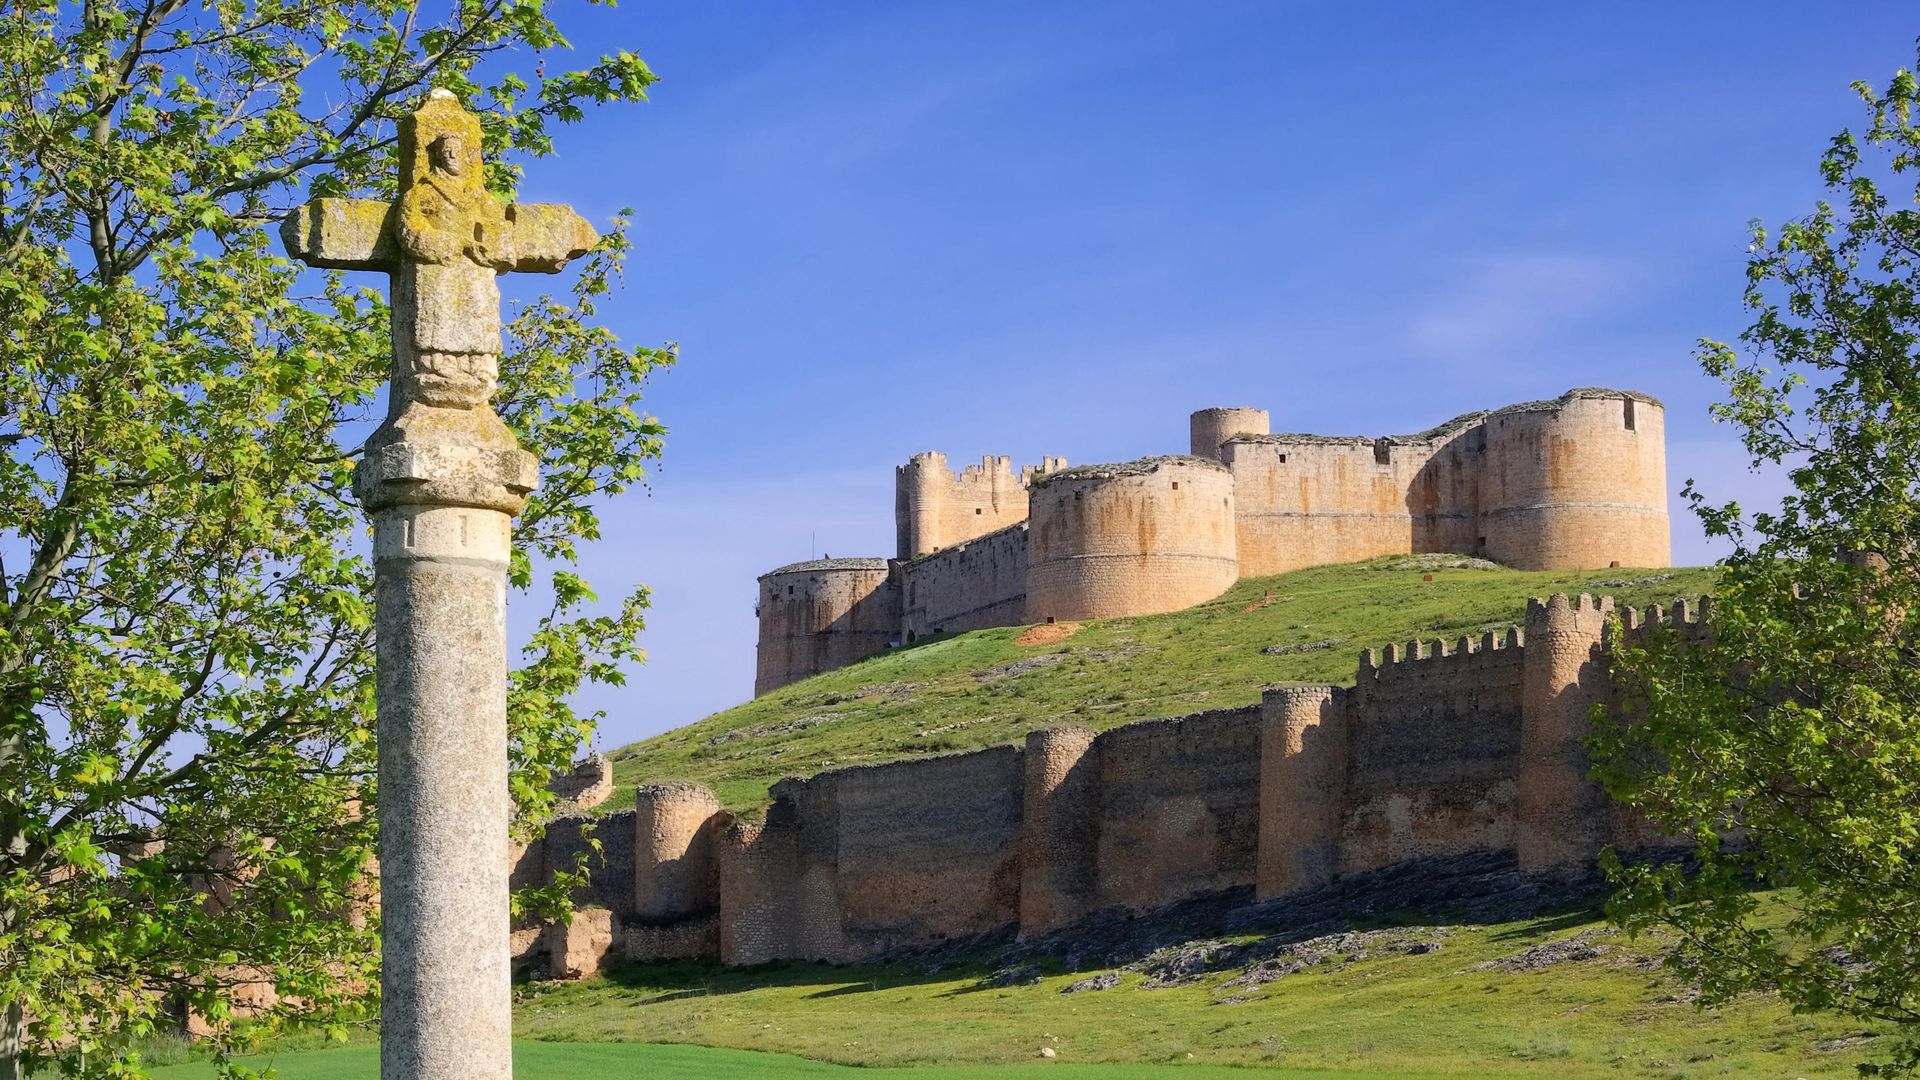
[
  {"x": 449, "y": 153},
  {"x": 444, "y": 242}
]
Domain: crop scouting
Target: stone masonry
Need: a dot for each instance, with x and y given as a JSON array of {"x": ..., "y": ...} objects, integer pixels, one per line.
[
  {"x": 442, "y": 479},
  {"x": 1438, "y": 751},
  {"x": 1572, "y": 483}
]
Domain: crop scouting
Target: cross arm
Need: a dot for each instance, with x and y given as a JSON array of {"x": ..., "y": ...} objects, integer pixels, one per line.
[
  {"x": 547, "y": 236},
  {"x": 341, "y": 234}
]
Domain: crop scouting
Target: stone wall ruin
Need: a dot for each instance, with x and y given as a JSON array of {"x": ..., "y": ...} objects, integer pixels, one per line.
[{"x": 1439, "y": 750}]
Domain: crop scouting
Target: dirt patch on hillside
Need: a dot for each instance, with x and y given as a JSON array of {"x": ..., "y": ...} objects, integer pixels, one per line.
[{"x": 1047, "y": 633}]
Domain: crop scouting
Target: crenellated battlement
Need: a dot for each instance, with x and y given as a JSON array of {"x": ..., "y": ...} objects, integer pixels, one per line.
[
  {"x": 936, "y": 508},
  {"x": 1687, "y": 616},
  {"x": 1419, "y": 656}
]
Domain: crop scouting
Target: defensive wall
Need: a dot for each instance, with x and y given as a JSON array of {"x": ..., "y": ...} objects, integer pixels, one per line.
[
  {"x": 1438, "y": 750},
  {"x": 1574, "y": 482}
]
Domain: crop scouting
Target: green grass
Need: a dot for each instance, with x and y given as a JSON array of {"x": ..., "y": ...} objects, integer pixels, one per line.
[
  {"x": 941, "y": 695},
  {"x": 1392, "y": 1014},
  {"x": 653, "y": 1061}
]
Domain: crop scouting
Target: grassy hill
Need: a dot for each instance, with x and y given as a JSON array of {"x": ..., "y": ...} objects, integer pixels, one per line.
[{"x": 965, "y": 691}]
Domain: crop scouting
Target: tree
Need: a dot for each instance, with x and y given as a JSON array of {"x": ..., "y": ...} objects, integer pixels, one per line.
[
  {"x": 1786, "y": 746},
  {"x": 185, "y": 675}
]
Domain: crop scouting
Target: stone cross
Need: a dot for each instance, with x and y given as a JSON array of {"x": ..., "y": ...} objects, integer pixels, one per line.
[{"x": 442, "y": 479}]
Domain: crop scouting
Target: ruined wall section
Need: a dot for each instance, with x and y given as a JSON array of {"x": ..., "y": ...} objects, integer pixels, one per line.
[
  {"x": 588, "y": 784},
  {"x": 861, "y": 860},
  {"x": 1137, "y": 538},
  {"x": 972, "y": 585},
  {"x": 1439, "y": 750},
  {"x": 934, "y": 508},
  {"x": 569, "y": 838},
  {"x": 820, "y": 615},
  {"x": 1178, "y": 807},
  {"x": 1433, "y": 751}
]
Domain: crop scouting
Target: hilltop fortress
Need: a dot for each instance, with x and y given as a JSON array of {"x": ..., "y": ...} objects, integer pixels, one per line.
[
  {"x": 1437, "y": 755},
  {"x": 1575, "y": 482}
]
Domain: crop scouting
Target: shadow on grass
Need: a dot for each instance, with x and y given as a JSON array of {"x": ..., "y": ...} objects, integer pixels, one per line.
[{"x": 1185, "y": 942}]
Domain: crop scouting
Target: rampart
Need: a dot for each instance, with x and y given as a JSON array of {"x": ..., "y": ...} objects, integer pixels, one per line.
[
  {"x": 1574, "y": 482},
  {"x": 972, "y": 585},
  {"x": 1439, "y": 750}
]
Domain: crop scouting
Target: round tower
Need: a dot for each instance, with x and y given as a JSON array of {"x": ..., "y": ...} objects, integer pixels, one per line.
[
  {"x": 1136, "y": 538},
  {"x": 1211, "y": 427},
  {"x": 1563, "y": 815},
  {"x": 822, "y": 614},
  {"x": 1060, "y": 813},
  {"x": 676, "y": 873},
  {"x": 920, "y": 492},
  {"x": 1576, "y": 483},
  {"x": 1303, "y": 783}
]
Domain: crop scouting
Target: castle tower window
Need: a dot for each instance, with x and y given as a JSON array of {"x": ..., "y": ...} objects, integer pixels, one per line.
[
  {"x": 1176, "y": 485},
  {"x": 1382, "y": 452},
  {"x": 1283, "y": 459},
  {"x": 1628, "y": 412},
  {"x": 977, "y": 510}
]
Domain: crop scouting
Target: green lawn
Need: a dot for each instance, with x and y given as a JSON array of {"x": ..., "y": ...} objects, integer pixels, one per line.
[
  {"x": 655, "y": 1061},
  {"x": 960, "y": 692},
  {"x": 1388, "y": 1012},
  {"x": 1366, "y": 1014}
]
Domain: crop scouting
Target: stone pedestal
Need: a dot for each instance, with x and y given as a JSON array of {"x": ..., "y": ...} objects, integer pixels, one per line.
[{"x": 446, "y": 1005}]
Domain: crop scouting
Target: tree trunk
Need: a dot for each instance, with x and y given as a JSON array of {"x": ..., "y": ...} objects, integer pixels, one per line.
[{"x": 12, "y": 1025}]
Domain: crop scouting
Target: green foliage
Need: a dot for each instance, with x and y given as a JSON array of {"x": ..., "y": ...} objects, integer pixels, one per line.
[
  {"x": 1786, "y": 747},
  {"x": 185, "y": 624},
  {"x": 978, "y": 689}
]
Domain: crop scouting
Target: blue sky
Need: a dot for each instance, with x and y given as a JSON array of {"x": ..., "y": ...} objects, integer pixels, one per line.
[{"x": 880, "y": 228}]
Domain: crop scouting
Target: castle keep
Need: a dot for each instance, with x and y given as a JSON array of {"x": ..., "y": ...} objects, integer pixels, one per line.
[
  {"x": 1576, "y": 482},
  {"x": 1438, "y": 751}
]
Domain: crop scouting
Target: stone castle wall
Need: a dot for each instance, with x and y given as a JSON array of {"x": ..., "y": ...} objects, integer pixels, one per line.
[
  {"x": 1575, "y": 482},
  {"x": 1438, "y": 750},
  {"x": 974, "y": 584}
]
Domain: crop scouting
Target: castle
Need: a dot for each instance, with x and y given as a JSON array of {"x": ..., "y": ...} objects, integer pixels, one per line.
[
  {"x": 1436, "y": 752},
  {"x": 1575, "y": 482}
]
